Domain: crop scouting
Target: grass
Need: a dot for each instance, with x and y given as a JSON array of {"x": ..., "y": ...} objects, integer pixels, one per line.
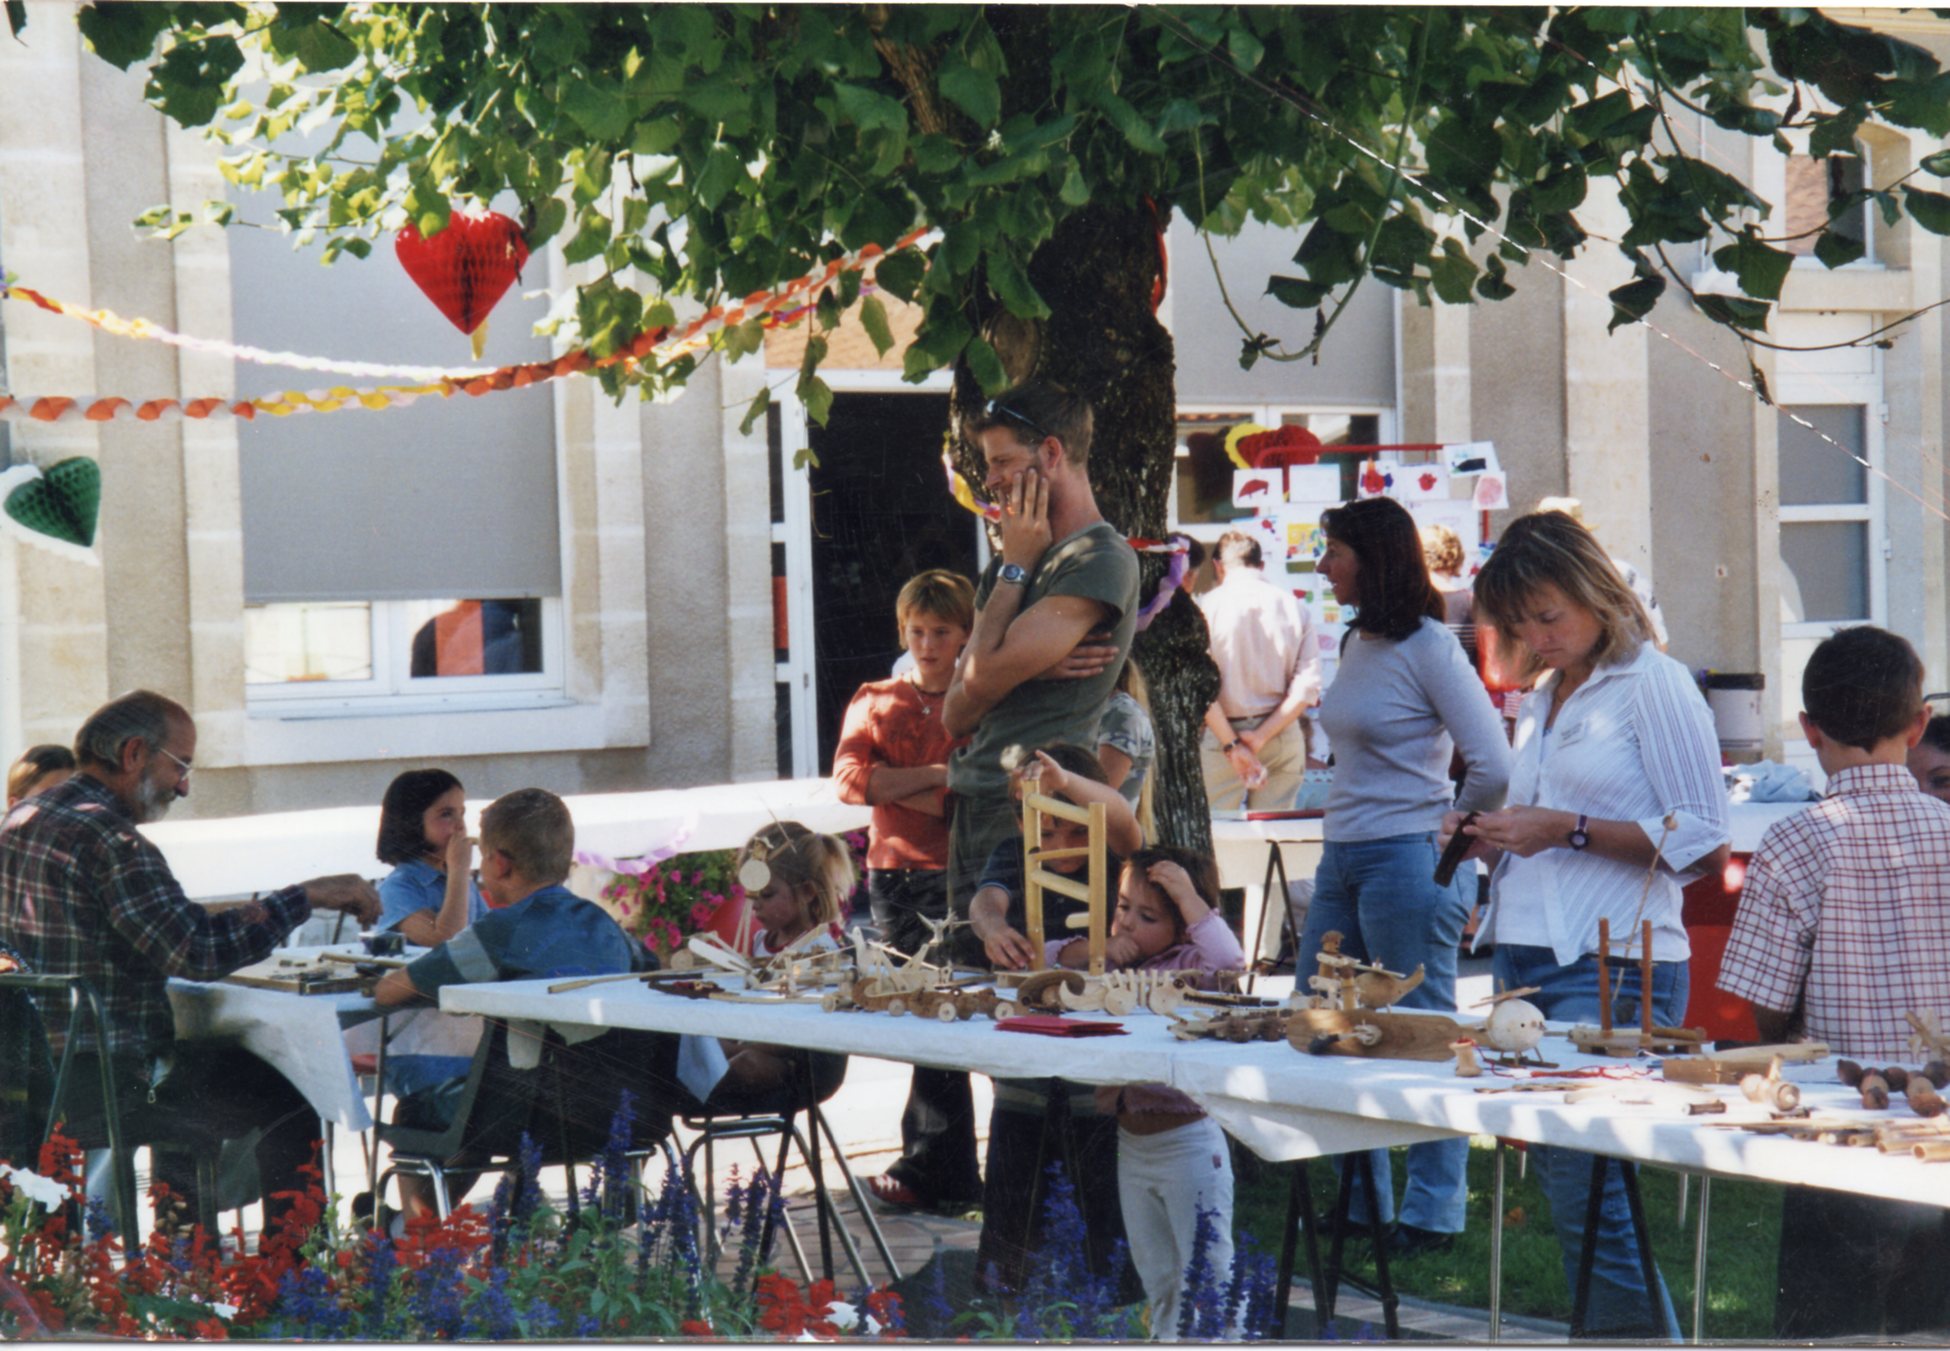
[{"x": 1744, "y": 1227}]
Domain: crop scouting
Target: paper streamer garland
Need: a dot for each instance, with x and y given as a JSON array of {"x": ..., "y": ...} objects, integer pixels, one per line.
[
  {"x": 963, "y": 493},
  {"x": 54, "y": 510},
  {"x": 659, "y": 344}
]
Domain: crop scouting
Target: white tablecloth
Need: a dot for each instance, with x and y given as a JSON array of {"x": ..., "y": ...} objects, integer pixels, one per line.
[
  {"x": 310, "y": 1038},
  {"x": 301, "y": 1036},
  {"x": 1280, "y": 1103},
  {"x": 232, "y": 856}
]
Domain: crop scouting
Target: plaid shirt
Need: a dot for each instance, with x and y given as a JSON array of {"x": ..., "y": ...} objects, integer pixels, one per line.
[
  {"x": 1847, "y": 907},
  {"x": 82, "y": 892}
]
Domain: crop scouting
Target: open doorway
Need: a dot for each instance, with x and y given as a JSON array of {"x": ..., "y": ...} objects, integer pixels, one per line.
[{"x": 880, "y": 513}]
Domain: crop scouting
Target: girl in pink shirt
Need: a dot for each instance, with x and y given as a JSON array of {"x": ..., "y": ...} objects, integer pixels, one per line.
[{"x": 1172, "y": 1159}]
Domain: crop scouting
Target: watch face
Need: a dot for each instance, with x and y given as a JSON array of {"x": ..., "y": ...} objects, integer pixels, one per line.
[{"x": 1579, "y": 839}]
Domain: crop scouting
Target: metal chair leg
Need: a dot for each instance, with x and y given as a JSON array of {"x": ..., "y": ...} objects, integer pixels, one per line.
[
  {"x": 1496, "y": 1249},
  {"x": 1699, "y": 1259},
  {"x": 859, "y": 1194}
]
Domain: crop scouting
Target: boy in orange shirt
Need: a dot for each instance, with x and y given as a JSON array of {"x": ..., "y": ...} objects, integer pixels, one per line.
[{"x": 893, "y": 754}]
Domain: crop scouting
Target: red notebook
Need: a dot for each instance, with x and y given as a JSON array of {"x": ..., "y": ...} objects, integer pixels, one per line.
[{"x": 1049, "y": 1025}]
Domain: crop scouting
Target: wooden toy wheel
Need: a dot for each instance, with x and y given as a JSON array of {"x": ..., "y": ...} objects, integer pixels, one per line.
[
  {"x": 1120, "y": 1000},
  {"x": 944, "y": 1012},
  {"x": 897, "y": 1006},
  {"x": 1003, "y": 1009},
  {"x": 831, "y": 1003}
]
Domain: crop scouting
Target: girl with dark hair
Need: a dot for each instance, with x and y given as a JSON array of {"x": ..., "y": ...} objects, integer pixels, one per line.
[
  {"x": 429, "y": 896},
  {"x": 1404, "y": 701}
]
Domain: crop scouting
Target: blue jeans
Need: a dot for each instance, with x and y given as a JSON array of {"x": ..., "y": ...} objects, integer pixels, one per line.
[
  {"x": 1382, "y": 897},
  {"x": 1570, "y": 994}
]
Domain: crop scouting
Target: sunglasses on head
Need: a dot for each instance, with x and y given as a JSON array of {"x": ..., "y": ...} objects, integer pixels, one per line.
[{"x": 997, "y": 408}]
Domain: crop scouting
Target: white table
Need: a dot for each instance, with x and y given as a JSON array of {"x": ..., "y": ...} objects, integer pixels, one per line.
[
  {"x": 309, "y": 1038},
  {"x": 1243, "y": 850},
  {"x": 1281, "y": 1104},
  {"x": 301, "y": 1036},
  {"x": 234, "y": 856}
]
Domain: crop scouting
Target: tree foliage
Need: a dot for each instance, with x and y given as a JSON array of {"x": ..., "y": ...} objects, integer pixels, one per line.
[{"x": 714, "y": 150}]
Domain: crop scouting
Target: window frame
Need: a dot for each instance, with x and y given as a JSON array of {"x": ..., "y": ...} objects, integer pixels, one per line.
[{"x": 393, "y": 690}]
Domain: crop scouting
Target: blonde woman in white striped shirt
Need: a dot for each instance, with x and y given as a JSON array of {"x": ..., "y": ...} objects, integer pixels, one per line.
[{"x": 1617, "y": 774}]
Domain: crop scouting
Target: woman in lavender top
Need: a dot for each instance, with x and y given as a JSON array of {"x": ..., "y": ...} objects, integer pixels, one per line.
[{"x": 1404, "y": 702}]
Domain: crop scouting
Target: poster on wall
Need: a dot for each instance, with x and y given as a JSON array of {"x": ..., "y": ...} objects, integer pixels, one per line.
[
  {"x": 1422, "y": 482},
  {"x": 1256, "y": 489}
]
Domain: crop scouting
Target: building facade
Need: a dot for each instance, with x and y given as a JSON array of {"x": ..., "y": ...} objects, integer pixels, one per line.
[{"x": 546, "y": 587}]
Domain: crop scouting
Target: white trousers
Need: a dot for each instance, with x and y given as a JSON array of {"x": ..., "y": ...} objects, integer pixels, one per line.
[{"x": 1163, "y": 1181}]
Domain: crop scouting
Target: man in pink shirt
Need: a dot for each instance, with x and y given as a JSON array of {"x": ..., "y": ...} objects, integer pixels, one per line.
[{"x": 1255, "y": 743}]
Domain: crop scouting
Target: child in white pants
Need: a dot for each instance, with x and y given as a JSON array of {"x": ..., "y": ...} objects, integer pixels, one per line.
[{"x": 1172, "y": 1159}]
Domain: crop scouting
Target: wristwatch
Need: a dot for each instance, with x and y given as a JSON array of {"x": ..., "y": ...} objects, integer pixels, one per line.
[
  {"x": 1227, "y": 748},
  {"x": 1015, "y": 574},
  {"x": 1580, "y": 837}
]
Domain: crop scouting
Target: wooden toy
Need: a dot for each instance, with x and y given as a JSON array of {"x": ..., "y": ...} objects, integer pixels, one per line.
[
  {"x": 1730, "y": 1067},
  {"x": 1037, "y": 879}
]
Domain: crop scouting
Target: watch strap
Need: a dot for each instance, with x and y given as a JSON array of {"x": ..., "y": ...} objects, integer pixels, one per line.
[
  {"x": 1580, "y": 836},
  {"x": 1013, "y": 573}
]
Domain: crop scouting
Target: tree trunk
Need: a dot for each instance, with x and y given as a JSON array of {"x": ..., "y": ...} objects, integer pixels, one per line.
[{"x": 1103, "y": 341}]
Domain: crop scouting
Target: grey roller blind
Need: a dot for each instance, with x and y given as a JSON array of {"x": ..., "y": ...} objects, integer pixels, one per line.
[
  {"x": 448, "y": 498},
  {"x": 1356, "y": 367}
]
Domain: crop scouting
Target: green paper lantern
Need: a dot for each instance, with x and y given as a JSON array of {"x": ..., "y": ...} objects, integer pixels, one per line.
[{"x": 63, "y": 502}]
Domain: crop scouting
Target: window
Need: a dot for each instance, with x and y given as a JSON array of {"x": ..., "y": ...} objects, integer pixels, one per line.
[
  {"x": 1821, "y": 189},
  {"x": 404, "y": 560},
  {"x": 322, "y": 659},
  {"x": 1202, "y": 485},
  {"x": 1827, "y": 566}
]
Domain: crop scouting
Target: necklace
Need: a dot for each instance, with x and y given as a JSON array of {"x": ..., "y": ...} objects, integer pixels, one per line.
[{"x": 927, "y": 698}]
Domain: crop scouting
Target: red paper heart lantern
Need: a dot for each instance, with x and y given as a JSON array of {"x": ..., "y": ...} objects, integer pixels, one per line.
[
  {"x": 467, "y": 267},
  {"x": 1282, "y": 445}
]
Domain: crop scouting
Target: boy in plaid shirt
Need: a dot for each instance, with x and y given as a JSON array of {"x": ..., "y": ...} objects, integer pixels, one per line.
[{"x": 1841, "y": 931}]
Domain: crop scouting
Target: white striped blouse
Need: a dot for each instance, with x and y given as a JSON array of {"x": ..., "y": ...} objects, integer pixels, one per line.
[{"x": 1634, "y": 743}]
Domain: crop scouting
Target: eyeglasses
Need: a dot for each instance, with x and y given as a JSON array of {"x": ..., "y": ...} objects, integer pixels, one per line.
[
  {"x": 997, "y": 407},
  {"x": 180, "y": 762}
]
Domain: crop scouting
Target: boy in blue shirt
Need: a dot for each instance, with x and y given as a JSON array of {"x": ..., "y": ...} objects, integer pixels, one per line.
[{"x": 535, "y": 929}]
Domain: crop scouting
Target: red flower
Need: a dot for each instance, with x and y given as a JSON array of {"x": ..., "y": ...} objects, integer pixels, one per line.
[{"x": 692, "y": 1327}]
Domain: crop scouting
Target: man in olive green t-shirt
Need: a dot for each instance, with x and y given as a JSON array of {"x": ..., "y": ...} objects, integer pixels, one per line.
[{"x": 1063, "y": 575}]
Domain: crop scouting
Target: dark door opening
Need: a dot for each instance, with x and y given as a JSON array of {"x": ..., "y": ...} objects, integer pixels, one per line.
[{"x": 880, "y": 513}]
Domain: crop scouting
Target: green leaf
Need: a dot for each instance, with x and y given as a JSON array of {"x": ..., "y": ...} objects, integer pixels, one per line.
[
  {"x": 1760, "y": 268},
  {"x": 1635, "y": 299},
  {"x": 1937, "y": 164},
  {"x": 17, "y": 17},
  {"x": 722, "y": 169},
  {"x": 1075, "y": 191},
  {"x": 188, "y": 84},
  {"x": 1835, "y": 134},
  {"x": 1931, "y": 210},
  {"x": 868, "y": 110},
  {"x": 1128, "y": 120},
  {"x": 753, "y": 412},
  {"x": 985, "y": 366},
  {"x": 1494, "y": 284},
  {"x": 1735, "y": 311},
  {"x": 317, "y": 46},
  {"x": 1011, "y": 286},
  {"x": 1561, "y": 190},
  {"x": 1296, "y": 292},
  {"x": 593, "y": 233},
  {"x": 899, "y": 274},
  {"x": 1836, "y": 249},
  {"x": 121, "y": 34},
  {"x": 1454, "y": 272},
  {"x": 873, "y": 318},
  {"x": 550, "y": 217},
  {"x": 653, "y": 136},
  {"x": 817, "y": 395},
  {"x": 597, "y": 108},
  {"x": 975, "y": 92}
]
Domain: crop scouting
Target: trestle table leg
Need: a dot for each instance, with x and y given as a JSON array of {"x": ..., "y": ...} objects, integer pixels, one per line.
[
  {"x": 1699, "y": 1260},
  {"x": 1496, "y": 1248}
]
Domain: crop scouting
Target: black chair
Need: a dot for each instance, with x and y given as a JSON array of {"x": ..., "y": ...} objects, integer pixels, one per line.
[
  {"x": 564, "y": 1104},
  {"x": 34, "y": 1096},
  {"x": 775, "y": 1120}
]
